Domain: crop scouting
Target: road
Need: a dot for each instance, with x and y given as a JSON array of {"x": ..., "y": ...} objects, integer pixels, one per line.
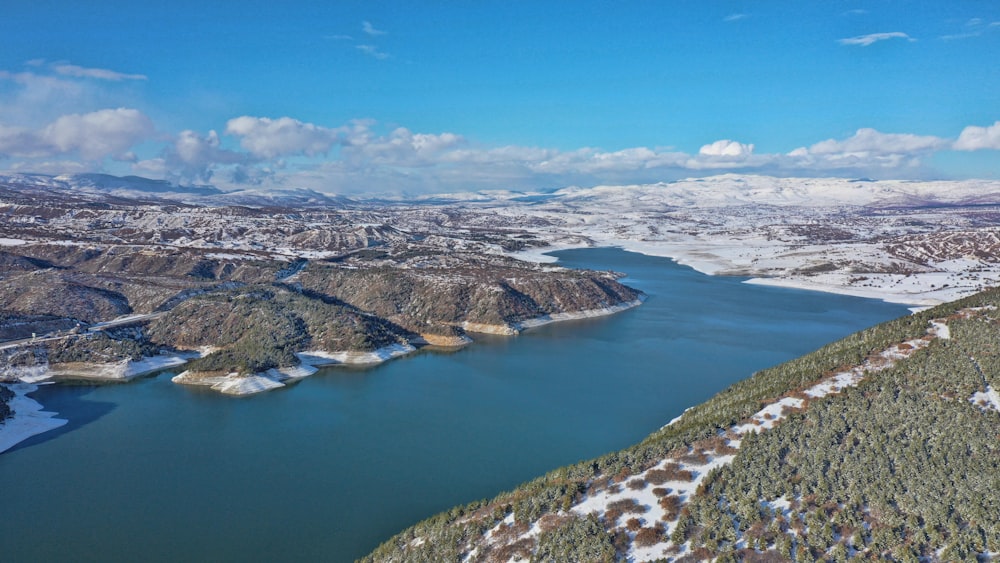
[{"x": 96, "y": 327}]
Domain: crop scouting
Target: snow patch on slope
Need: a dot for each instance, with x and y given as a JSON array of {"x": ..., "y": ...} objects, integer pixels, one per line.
[{"x": 29, "y": 419}]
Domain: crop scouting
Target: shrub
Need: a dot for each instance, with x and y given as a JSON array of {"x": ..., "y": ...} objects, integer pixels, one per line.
[
  {"x": 650, "y": 536},
  {"x": 636, "y": 484},
  {"x": 624, "y": 506},
  {"x": 671, "y": 506},
  {"x": 670, "y": 472}
]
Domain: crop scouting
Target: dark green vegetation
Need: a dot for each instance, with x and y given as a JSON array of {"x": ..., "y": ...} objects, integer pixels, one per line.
[
  {"x": 257, "y": 311},
  {"x": 94, "y": 347},
  {"x": 899, "y": 467},
  {"x": 261, "y": 326},
  {"x": 5, "y": 396},
  {"x": 434, "y": 293},
  {"x": 101, "y": 347}
]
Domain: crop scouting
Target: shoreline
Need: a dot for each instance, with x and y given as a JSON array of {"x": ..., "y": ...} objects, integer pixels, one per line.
[
  {"x": 29, "y": 417},
  {"x": 916, "y": 296},
  {"x": 579, "y": 315},
  {"x": 231, "y": 383}
]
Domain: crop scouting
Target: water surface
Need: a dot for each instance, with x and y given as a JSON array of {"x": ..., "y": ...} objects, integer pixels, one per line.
[{"x": 329, "y": 468}]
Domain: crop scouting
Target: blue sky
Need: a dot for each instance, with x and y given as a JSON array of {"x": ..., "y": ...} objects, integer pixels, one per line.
[{"x": 413, "y": 97}]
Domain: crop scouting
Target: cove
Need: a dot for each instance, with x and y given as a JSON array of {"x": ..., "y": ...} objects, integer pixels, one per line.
[{"x": 331, "y": 467}]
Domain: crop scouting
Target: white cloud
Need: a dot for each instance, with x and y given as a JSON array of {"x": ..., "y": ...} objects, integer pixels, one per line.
[
  {"x": 368, "y": 28},
  {"x": 975, "y": 27},
  {"x": 735, "y": 17},
  {"x": 404, "y": 161},
  {"x": 870, "y": 142},
  {"x": 94, "y": 136},
  {"x": 270, "y": 138},
  {"x": 726, "y": 148},
  {"x": 401, "y": 147},
  {"x": 98, "y": 134},
  {"x": 22, "y": 142},
  {"x": 75, "y": 71},
  {"x": 372, "y": 51},
  {"x": 975, "y": 138},
  {"x": 866, "y": 40},
  {"x": 193, "y": 157},
  {"x": 359, "y": 156},
  {"x": 956, "y": 36},
  {"x": 868, "y": 149}
]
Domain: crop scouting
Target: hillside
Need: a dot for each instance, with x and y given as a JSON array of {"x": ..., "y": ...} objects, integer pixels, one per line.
[
  {"x": 253, "y": 282},
  {"x": 881, "y": 445}
]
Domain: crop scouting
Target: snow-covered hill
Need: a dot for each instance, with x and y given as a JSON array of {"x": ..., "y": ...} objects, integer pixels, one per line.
[{"x": 913, "y": 242}]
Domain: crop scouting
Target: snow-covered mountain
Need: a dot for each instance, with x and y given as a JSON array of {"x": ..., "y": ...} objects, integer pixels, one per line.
[{"x": 139, "y": 188}]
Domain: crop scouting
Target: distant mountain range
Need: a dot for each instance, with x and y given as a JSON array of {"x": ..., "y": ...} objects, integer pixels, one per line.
[
  {"x": 713, "y": 191},
  {"x": 139, "y": 188}
]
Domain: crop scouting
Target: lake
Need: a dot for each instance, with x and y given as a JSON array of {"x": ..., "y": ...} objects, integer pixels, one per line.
[{"x": 331, "y": 467}]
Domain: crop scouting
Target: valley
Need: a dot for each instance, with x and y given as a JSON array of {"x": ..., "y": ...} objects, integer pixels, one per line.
[{"x": 243, "y": 293}]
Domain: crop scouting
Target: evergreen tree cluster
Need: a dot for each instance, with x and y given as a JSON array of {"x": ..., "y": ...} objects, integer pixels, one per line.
[
  {"x": 258, "y": 327},
  {"x": 5, "y": 396}
]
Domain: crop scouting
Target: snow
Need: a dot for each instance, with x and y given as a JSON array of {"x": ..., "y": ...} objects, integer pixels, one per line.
[
  {"x": 943, "y": 332},
  {"x": 836, "y": 383},
  {"x": 236, "y": 384},
  {"x": 542, "y": 254},
  {"x": 676, "y": 419},
  {"x": 325, "y": 358},
  {"x": 768, "y": 416},
  {"x": 29, "y": 418},
  {"x": 125, "y": 319},
  {"x": 231, "y": 256},
  {"x": 781, "y": 505},
  {"x": 246, "y": 385},
  {"x": 987, "y": 400},
  {"x": 822, "y": 234},
  {"x": 151, "y": 364},
  {"x": 123, "y": 370},
  {"x": 12, "y": 242},
  {"x": 293, "y": 372},
  {"x": 575, "y": 315}
]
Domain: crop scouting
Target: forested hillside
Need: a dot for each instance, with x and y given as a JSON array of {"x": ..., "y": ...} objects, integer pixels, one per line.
[{"x": 885, "y": 444}]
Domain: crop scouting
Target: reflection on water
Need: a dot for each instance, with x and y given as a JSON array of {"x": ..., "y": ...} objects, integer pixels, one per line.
[{"x": 332, "y": 466}]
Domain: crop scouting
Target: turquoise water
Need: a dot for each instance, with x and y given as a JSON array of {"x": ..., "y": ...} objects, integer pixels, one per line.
[{"x": 331, "y": 467}]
